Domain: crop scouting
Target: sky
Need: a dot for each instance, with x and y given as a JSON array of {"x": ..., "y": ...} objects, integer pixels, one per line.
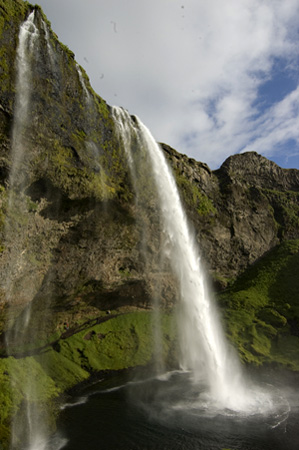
[{"x": 211, "y": 78}]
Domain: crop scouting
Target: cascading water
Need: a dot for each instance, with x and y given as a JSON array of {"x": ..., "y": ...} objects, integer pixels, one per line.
[
  {"x": 90, "y": 113},
  {"x": 27, "y": 39},
  {"x": 129, "y": 138},
  {"x": 203, "y": 347},
  {"x": 49, "y": 47},
  {"x": 28, "y": 36},
  {"x": 28, "y": 426},
  {"x": 82, "y": 82}
]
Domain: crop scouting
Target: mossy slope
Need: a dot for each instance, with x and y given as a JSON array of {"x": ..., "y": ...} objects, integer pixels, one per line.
[
  {"x": 261, "y": 309},
  {"x": 121, "y": 342}
]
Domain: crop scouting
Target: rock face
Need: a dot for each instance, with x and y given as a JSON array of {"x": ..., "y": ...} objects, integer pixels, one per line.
[
  {"x": 72, "y": 235},
  {"x": 239, "y": 211},
  {"x": 82, "y": 242}
]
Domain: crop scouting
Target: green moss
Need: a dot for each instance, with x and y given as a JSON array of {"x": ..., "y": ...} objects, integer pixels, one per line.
[
  {"x": 69, "y": 166},
  {"x": 80, "y": 176},
  {"x": 285, "y": 351},
  {"x": 272, "y": 316},
  {"x": 261, "y": 308},
  {"x": 6, "y": 398},
  {"x": 12, "y": 14},
  {"x": 64, "y": 172},
  {"x": 124, "y": 273},
  {"x": 12, "y": 9},
  {"x": 30, "y": 205},
  {"x": 102, "y": 107},
  {"x": 26, "y": 371},
  {"x": 120, "y": 342},
  {"x": 286, "y": 207},
  {"x": 16, "y": 375},
  {"x": 63, "y": 370},
  {"x": 4, "y": 72},
  {"x": 79, "y": 135},
  {"x": 193, "y": 197},
  {"x": 2, "y": 23}
]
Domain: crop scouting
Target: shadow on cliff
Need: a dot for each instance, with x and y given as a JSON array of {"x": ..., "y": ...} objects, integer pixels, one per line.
[{"x": 91, "y": 269}]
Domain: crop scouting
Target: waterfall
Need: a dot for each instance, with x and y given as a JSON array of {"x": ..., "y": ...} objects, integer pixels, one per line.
[
  {"x": 129, "y": 138},
  {"x": 49, "y": 47},
  {"x": 28, "y": 427},
  {"x": 204, "y": 350},
  {"x": 85, "y": 90},
  {"x": 28, "y": 36},
  {"x": 91, "y": 146}
]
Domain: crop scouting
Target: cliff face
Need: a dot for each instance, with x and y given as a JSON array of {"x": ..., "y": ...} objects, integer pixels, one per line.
[
  {"x": 72, "y": 234},
  {"x": 239, "y": 211},
  {"x": 83, "y": 239}
]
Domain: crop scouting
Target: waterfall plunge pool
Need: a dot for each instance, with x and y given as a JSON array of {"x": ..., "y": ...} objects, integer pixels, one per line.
[{"x": 171, "y": 412}]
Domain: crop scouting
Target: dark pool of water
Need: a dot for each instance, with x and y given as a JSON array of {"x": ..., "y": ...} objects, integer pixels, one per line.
[{"x": 169, "y": 414}]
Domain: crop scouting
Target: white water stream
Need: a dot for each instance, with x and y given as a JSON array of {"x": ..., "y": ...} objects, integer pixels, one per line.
[
  {"x": 28, "y": 428},
  {"x": 204, "y": 350},
  {"x": 28, "y": 36}
]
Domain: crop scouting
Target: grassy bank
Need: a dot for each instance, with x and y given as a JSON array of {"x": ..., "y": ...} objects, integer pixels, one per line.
[
  {"x": 261, "y": 309},
  {"x": 123, "y": 341}
]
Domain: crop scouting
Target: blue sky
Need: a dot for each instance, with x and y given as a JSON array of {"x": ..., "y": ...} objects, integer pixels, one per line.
[
  {"x": 210, "y": 78},
  {"x": 283, "y": 79}
]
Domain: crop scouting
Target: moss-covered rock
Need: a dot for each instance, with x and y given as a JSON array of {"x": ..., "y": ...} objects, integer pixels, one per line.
[
  {"x": 15, "y": 376},
  {"x": 13, "y": 12},
  {"x": 109, "y": 342},
  {"x": 123, "y": 341},
  {"x": 261, "y": 309}
]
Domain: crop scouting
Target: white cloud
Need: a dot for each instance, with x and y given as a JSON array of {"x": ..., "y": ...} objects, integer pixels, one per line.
[
  {"x": 278, "y": 125},
  {"x": 190, "y": 69}
]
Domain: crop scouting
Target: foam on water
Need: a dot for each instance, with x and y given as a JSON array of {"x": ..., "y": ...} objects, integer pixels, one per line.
[
  {"x": 79, "y": 401},
  {"x": 175, "y": 395}
]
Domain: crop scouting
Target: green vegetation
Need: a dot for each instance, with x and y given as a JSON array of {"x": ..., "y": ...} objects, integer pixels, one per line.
[
  {"x": 77, "y": 180},
  {"x": 11, "y": 9},
  {"x": 287, "y": 208},
  {"x": 60, "y": 150},
  {"x": 3, "y": 208},
  {"x": 11, "y": 14},
  {"x": 15, "y": 374},
  {"x": 119, "y": 342},
  {"x": 261, "y": 309},
  {"x": 193, "y": 197}
]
